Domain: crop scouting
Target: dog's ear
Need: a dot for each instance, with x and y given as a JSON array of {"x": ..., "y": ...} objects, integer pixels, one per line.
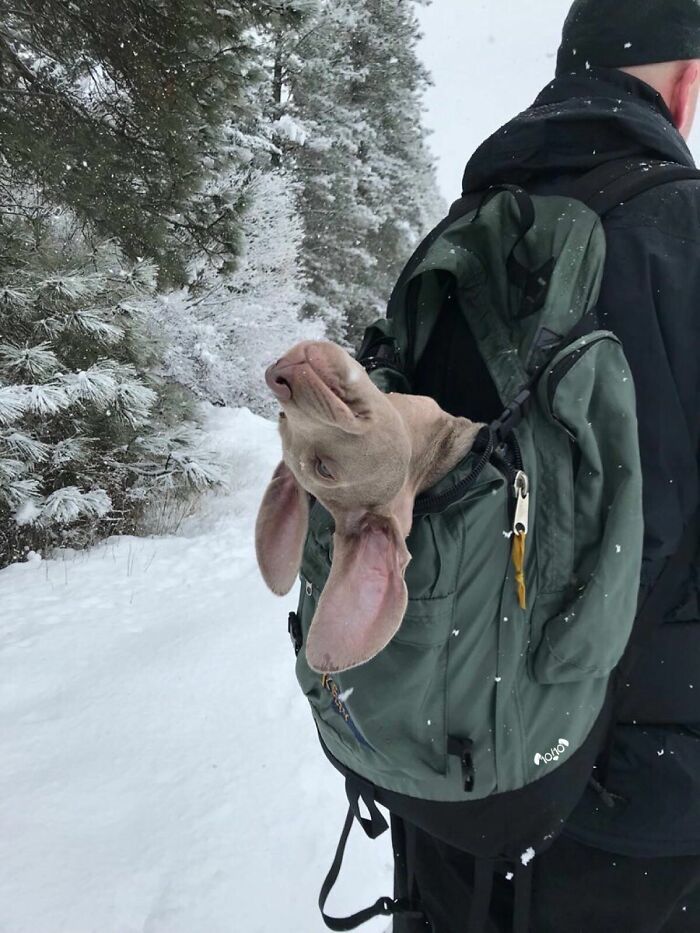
[
  {"x": 280, "y": 531},
  {"x": 365, "y": 598}
]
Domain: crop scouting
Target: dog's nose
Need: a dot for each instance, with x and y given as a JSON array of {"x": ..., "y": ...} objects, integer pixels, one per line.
[
  {"x": 280, "y": 376},
  {"x": 278, "y": 383}
]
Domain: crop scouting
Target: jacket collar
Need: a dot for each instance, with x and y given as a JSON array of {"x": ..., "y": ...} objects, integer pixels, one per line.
[
  {"x": 603, "y": 82},
  {"x": 578, "y": 122}
]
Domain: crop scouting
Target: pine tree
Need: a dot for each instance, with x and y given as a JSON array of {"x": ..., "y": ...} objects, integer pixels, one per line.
[
  {"x": 128, "y": 112},
  {"x": 86, "y": 437},
  {"x": 217, "y": 339},
  {"x": 219, "y": 335},
  {"x": 400, "y": 182},
  {"x": 369, "y": 189}
]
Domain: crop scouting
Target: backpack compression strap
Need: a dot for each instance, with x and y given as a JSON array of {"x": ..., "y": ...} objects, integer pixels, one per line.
[
  {"x": 358, "y": 790},
  {"x": 484, "y": 869}
]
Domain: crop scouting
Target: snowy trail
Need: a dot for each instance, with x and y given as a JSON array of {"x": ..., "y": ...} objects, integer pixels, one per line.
[{"x": 160, "y": 770}]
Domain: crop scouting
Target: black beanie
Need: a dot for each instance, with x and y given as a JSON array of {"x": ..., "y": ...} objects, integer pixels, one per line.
[{"x": 622, "y": 33}]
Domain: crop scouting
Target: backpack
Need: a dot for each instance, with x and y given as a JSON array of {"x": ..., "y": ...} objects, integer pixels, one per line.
[{"x": 482, "y": 720}]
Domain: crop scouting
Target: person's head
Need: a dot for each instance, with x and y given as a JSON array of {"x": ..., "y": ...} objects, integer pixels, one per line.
[{"x": 657, "y": 41}]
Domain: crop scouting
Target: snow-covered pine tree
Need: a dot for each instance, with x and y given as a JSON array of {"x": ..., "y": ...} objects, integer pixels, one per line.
[
  {"x": 217, "y": 339},
  {"x": 128, "y": 112},
  {"x": 399, "y": 182},
  {"x": 358, "y": 143},
  {"x": 219, "y": 334},
  {"x": 86, "y": 437}
]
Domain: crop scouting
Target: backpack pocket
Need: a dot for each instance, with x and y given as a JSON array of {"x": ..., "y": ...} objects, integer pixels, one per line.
[
  {"x": 583, "y": 615},
  {"x": 388, "y": 718}
]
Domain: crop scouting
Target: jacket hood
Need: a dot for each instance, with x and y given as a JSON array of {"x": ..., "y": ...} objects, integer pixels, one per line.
[{"x": 578, "y": 122}]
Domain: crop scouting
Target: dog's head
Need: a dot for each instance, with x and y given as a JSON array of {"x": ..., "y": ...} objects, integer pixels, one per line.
[{"x": 365, "y": 456}]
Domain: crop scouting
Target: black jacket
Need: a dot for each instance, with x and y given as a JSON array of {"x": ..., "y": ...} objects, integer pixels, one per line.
[{"x": 650, "y": 299}]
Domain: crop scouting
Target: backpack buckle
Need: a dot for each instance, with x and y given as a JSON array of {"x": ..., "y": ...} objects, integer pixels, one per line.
[
  {"x": 294, "y": 629},
  {"x": 512, "y": 416},
  {"x": 462, "y": 749}
]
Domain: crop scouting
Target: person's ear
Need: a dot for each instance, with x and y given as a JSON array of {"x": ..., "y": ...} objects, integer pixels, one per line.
[{"x": 684, "y": 97}]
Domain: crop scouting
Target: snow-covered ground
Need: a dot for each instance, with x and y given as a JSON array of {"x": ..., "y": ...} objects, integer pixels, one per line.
[{"x": 160, "y": 771}]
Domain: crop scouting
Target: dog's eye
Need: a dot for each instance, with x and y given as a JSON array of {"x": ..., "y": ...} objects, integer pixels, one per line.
[{"x": 323, "y": 470}]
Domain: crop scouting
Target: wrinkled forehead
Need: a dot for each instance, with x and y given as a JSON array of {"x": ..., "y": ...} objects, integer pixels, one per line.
[
  {"x": 380, "y": 440},
  {"x": 372, "y": 465}
]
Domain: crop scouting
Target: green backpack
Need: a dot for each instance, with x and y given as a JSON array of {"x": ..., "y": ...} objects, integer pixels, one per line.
[{"x": 482, "y": 719}]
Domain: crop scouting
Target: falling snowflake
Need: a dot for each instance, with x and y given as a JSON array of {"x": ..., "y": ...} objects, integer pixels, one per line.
[{"x": 527, "y": 856}]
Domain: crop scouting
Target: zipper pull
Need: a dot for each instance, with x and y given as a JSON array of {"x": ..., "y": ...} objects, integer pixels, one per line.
[
  {"x": 520, "y": 529},
  {"x": 522, "y": 507}
]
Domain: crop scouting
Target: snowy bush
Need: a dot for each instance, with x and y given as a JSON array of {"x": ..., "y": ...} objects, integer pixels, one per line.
[{"x": 86, "y": 436}]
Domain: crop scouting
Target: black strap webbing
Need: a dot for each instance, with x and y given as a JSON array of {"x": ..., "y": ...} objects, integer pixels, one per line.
[
  {"x": 483, "y": 888},
  {"x": 523, "y": 898},
  {"x": 358, "y": 790},
  {"x": 479, "y": 913},
  {"x": 621, "y": 180}
]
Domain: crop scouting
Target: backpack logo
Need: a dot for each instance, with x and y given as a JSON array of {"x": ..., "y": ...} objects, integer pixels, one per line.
[{"x": 553, "y": 754}]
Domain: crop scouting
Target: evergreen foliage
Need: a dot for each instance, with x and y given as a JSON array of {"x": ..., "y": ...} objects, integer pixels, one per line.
[
  {"x": 186, "y": 189},
  {"x": 86, "y": 436},
  {"x": 368, "y": 185},
  {"x": 127, "y": 114},
  {"x": 217, "y": 339}
]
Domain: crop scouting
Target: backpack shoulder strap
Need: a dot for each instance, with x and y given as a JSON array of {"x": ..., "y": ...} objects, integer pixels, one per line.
[
  {"x": 604, "y": 189},
  {"x": 617, "y": 182}
]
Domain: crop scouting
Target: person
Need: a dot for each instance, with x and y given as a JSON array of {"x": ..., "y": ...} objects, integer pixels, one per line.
[{"x": 627, "y": 85}]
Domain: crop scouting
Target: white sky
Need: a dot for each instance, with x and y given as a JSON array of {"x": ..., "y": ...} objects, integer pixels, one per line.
[{"x": 489, "y": 59}]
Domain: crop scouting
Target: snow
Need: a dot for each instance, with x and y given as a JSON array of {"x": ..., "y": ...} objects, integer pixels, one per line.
[
  {"x": 161, "y": 772},
  {"x": 290, "y": 129},
  {"x": 527, "y": 856}
]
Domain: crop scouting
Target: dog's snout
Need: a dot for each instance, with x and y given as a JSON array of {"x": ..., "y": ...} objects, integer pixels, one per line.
[
  {"x": 276, "y": 381},
  {"x": 280, "y": 376}
]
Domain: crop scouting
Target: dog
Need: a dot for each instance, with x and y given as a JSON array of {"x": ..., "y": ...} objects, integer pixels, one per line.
[{"x": 364, "y": 456}]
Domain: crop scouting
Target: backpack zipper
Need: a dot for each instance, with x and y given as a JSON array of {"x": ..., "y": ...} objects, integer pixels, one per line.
[
  {"x": 557, "y": 373},
  {"x": 426, "y": 505}
]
